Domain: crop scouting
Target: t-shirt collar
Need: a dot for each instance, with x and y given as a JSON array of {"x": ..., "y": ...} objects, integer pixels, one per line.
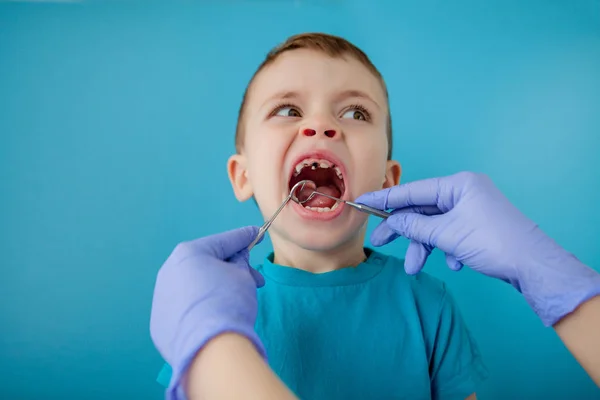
[{"x": 344, "y": 276}]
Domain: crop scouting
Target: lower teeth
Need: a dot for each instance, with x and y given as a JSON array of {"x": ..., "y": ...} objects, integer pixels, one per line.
[{"x": 322, "y": 209}]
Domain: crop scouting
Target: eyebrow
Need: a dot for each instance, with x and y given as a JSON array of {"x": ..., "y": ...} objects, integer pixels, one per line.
[
  {"x": 290, "y": 94},
  {"x": 356, "y": 93},
  {"x": 285, "y": 95}
]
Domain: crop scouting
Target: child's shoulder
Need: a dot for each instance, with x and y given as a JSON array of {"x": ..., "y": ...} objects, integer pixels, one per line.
[{"x": 422, "y": 286}]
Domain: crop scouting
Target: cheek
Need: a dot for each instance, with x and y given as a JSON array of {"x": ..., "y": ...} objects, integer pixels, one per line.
[
  {"x": 265, "y": 167},
  {"x": 369, "y": 162},
  {"x": 271, "y": 139},
  {"x": 270, "y": 144},
  {"x": 261, "y": 170},
  {"x": 371, "y": 139}
]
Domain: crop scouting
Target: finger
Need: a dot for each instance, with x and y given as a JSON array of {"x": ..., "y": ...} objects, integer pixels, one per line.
[
  {"x": 377, "y": 199},
  {"x": 258, "y": 277},
  {"x": 453, "y": 263},
  {"x": 419, "y": 193},
  {"x": 383, "y": 234},
  {"x": 423, "y": 210},
  {"x": 416, "y": 257},
  {"x": 241, "y": 258},
  {"x": 225, "y": 245},
  {"x": 414, "y": 227}
]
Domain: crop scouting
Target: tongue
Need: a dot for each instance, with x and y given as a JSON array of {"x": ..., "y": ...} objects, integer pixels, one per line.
[{"x": 322, "y": 201}]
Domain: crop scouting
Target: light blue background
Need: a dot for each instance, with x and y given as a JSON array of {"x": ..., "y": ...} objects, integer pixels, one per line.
[{"x": 116, "y": 120}]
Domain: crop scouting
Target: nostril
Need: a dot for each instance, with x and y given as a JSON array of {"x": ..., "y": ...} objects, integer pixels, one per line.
[
  {"x": 310, "y": 132},
  {"x": 330, "y": 133}
]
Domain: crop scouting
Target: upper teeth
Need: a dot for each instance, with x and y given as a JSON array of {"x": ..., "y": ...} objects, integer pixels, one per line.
[{"x": 314, "y": 164}]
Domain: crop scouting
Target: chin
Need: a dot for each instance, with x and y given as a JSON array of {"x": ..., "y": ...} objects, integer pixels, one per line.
[{"x": 324, "y": 239}]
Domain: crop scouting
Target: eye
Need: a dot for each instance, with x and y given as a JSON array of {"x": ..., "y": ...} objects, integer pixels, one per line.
[
  {"x": 354, "y": 114},
  {"x": 287, "y": 110},
  {"x": 357, "y": 112}
]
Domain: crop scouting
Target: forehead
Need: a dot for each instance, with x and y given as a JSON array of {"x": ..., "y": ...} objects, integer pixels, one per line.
[{"x": 315, "y": 73}]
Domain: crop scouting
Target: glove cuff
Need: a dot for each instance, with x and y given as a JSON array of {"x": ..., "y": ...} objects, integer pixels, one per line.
[{"x": 556, "y": 290}]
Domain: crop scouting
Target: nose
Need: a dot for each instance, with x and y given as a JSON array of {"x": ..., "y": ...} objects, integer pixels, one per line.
[{"x": 330, "y": 133}]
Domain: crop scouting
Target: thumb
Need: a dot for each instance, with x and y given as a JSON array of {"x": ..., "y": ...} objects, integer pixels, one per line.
[
  {"x": 414, "y": 226},
  {"x": 225, "y": 245},
  {"x": 258, "y": 277},
  {"x": 242, "y": 259}
]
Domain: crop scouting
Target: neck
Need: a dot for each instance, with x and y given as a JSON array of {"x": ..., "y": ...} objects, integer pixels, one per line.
[{"x": 348, "y": 254}]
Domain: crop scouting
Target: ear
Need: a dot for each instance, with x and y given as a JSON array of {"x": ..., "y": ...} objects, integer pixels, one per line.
[
  {"x": 393, "y": 172},
  {"x": 238, "y": 176}
]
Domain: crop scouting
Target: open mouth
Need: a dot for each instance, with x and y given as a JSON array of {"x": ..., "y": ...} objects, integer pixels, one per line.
[{"x": 328, "y": 180}]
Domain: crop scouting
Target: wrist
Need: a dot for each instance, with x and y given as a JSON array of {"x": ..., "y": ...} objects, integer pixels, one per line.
[
  {"x": 224, "y": 345},
  {"x": 228, "y": 341},
  {"x": 555, "y": 287},
  {"x": 193, "y": 343},
  {"x": 200, "y": 328}
]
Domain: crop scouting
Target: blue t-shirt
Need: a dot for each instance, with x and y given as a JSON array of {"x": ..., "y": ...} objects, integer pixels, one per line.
[{"x": 365, "y": 332}]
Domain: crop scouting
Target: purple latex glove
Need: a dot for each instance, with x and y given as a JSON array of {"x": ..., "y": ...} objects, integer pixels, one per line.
[
  {"x": 205, "y": 288},
  {"x": 473, "y": 223}
]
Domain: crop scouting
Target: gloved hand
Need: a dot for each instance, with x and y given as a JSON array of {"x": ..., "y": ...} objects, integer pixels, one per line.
[
  {"x": 473, "y": 223},
  {"x": 205, "y": 288}
]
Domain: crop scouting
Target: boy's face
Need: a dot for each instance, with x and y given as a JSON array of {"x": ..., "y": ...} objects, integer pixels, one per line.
[{"x": 307, "y": 107}]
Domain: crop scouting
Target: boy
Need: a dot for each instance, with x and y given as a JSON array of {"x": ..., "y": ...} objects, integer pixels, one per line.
[{"x": 338, "y": 321}]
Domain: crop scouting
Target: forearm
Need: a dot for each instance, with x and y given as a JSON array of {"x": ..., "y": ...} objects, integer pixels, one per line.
[
  {"x": 229, "y": 367},
  {"x": 580, "y": 332}
]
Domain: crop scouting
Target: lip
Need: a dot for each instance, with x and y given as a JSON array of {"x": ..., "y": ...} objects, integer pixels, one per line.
[{"x": 315, "y": 215}]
